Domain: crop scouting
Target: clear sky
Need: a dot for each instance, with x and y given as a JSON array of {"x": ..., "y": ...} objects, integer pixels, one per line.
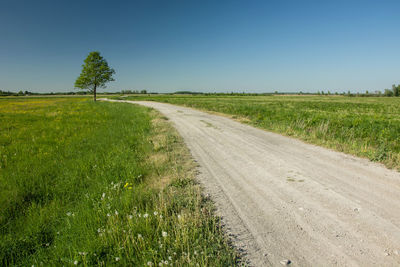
[{"x": 217, "y": 46}]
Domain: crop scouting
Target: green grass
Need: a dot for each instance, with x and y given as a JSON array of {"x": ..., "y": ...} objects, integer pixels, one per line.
[
  {"x": 100, "y": 184},
  {"x": 366, "y": 127}
]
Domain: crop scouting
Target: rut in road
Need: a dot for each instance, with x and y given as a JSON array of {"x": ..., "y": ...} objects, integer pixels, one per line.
[{"x": 282, "y": 199}]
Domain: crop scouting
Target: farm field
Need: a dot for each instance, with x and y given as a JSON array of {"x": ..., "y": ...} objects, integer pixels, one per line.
[
  {"x": 363, "y": 126},
  {"x": 85, "y": 183}
]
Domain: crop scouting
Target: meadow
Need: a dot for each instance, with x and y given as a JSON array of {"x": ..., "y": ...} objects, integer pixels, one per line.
[
  {"x": 84, "y": 183},
  {"x": 368, "y": 127}
]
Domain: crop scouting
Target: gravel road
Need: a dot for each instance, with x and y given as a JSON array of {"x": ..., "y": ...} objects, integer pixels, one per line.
[{"x": 287, "y": 202}]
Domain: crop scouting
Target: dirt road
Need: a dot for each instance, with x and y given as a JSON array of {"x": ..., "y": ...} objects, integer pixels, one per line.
[{"x": 284, "y": 200}]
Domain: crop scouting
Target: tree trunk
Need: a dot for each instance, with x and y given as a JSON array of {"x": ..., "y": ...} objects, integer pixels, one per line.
[{"x": 94, "y": 93}]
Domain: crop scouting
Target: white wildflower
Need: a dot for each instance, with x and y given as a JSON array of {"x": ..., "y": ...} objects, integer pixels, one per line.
[
  {"x": 117, "y": 259},
  {"x": 170, "y": 258},
  {"x": 116, "y": 212},
  {"x": 69, "y": 213},
  {"x": 103, "y": 196},
  {"x": 155, "y": 213},
  {"x": 75, "y": 262},
  {"x": 108, "y": 214},
  {"x": 130, "y": 217},
  {"x": 160, "y": 216},
  {"x": 149, "y": 263},
  {"x": 164, "y": 234},
  {"x": 166, "y": 262},
  {"x": 139, "y": 236},
  {"x": 179, "y": 216},
  {"x": 145, "y": 215}
]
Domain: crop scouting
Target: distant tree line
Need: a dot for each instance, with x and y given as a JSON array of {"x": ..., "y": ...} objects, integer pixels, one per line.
[
  {"x": 28, "y": 93},
  {"x": 394, "y": 92},
  {"x": 127, "y": 92}
]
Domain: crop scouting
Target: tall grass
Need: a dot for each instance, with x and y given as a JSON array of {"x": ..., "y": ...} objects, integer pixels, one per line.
[
  {"x": 85, "y": 183},
  {"x": 366, "y": 127}
]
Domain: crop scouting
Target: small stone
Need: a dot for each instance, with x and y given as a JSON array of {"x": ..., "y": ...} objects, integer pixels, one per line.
[
  {"x": 285, "y": 262},
  {"x": 301, "y": 208},
  {"x": 396, "y": 252}
]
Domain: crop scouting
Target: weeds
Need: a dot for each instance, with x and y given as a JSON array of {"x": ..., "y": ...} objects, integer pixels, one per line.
[{"x": 85, "y": 183}]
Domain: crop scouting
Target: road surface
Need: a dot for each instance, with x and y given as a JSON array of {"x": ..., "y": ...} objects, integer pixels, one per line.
[{"x": 287, "y": 202}]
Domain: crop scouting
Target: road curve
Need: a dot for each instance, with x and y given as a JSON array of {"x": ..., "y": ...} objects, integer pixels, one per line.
[{"x": 284, "y": 200}]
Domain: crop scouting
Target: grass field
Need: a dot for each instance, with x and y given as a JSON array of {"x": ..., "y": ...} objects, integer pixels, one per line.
[
  {"x": 363, "y": 126},
  {"x": 85, "y": 183}
]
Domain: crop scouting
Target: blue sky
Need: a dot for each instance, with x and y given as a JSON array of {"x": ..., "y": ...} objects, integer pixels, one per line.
[{"x": 217, "y": 46}]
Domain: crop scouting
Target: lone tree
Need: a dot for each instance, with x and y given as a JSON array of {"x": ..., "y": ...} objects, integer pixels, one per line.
[{"x": 95, "y": 73}]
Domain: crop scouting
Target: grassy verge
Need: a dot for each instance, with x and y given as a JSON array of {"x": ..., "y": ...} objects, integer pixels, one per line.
[
  {"x": 366, "y": 127},
  {"x": 85, "y": 183}
]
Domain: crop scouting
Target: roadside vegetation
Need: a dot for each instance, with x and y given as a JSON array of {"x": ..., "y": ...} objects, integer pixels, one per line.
[
  {"x": 84, "y": 183},
  {"x": 364, "y": 126}
]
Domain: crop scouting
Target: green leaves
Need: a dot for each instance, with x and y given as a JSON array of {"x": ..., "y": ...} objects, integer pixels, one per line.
[{"x": 95, "y": 73}]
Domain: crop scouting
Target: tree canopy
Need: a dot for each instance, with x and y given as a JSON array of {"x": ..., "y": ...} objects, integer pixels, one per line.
[{"x": 95, "y": 73}]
